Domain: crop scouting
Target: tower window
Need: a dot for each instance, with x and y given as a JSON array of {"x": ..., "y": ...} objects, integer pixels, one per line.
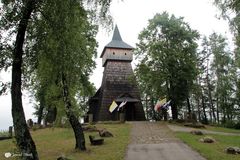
[
  {"x": 125, "y": 53},
  {"x": 113, "y": 53}
]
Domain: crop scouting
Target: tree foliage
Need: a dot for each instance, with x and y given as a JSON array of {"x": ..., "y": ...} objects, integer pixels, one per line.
[
  {"x": 25, "y": 9},
  {"x": 216, "y": 79},
  {"x": 167, "y": 49},
  {"x": 65, "y": 46},
  {"x": 230, "y": 10},
  {"x": 53, "y": 51}
]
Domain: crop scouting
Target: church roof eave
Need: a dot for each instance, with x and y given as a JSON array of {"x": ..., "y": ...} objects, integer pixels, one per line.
[{"x": 117, "y": 42}]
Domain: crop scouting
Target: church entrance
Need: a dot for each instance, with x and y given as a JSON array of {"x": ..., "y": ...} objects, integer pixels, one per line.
[
  {"x": 129, "y": 108},
  {"x": 130, "y": 112}
]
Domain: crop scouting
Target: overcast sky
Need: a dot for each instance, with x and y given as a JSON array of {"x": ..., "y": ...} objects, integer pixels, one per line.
[{"x": 132, "y": 16}]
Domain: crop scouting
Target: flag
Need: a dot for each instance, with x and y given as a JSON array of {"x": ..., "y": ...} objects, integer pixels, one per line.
[
  {"x": 157, "y": 106},
  {"x": 160, "y": 104},
  {"x": 163, "y": 101},
  {"x": 122, "y": 104},
  {"x": 166, "y": 105},
  {"x": 113, "y": 106}
]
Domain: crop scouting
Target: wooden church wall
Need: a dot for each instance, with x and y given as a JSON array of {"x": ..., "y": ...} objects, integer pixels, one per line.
[{"x": 118, "y": 79}]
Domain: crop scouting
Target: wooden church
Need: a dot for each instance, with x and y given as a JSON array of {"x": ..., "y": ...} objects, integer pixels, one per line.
[{"x": 118, "y": 84}]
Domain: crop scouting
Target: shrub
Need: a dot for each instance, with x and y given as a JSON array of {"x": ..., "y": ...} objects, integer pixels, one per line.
[
  {"x": 237, "y": 125},
  {"x": 232, "y": 124},
  {"x": 229, "y": 124}
]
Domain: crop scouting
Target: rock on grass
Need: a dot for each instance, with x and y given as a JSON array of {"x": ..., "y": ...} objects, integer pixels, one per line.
[
  {"x": 233, "y": 150},
  {"x": 207, "y": 140},
  {"x": 196, "y": 132}
]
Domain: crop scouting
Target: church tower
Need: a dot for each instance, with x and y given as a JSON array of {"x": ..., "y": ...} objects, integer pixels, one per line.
[{"x": 118, "y": 83}]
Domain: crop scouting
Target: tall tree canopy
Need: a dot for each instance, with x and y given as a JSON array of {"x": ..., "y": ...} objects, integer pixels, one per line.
[
  {"x": 65, "y": 58},
  {"x": 224, "y": 71},
  {"x": 65, "y": 29},
  {"x": 217, "y": 80},
  {"x": 230, "y": 10},
  {"x": 16, "y": 17},
  {"x": 167, "y": 49}
]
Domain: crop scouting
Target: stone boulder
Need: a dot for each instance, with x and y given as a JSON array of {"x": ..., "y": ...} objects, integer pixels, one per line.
[
  {"x": 62, "y": 158},
  {"x": 90, "y": 128},
  {"x": 207, "y": 140},
  {"x": 196, "y": 132},
  {"x": 96, "y": 141},
  {"x": 194, "y": 125},
  {"x": 105, "y": 133},
  {"x": 233, "y": 150}
]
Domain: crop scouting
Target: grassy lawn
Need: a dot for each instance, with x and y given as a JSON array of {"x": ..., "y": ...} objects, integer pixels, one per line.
[
  {"x": 214, "y": 151},
  {"x": 222, "y": 129},
  {"x": 54, "y": 142},
  {"x": 211, "y": 128}
]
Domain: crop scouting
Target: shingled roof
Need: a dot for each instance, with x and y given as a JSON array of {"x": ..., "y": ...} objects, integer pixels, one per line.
[{"x": 116, "y": 42}]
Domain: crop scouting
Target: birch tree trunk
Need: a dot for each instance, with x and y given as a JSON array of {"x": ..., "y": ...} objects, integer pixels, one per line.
[
  {"x": 22, "y": 134},
  {"x": 76, "y": 126}
]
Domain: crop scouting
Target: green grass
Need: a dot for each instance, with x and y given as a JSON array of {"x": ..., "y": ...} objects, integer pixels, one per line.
[
  {"x": 213, "y": 151},
  {"x": 222, "y": 129},
  {"x": 52, "y": 143},
  {"x": 211, "y": 128}
]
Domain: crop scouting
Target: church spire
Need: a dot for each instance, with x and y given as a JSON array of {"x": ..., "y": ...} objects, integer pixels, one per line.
[
  {"x": 117, "y": 42},
  {"x": 116, "y": 34}
]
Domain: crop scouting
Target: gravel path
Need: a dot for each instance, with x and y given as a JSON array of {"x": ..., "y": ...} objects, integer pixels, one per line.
[
  {"x": 188, "y": 129},
  {"x": 151, "y": 133},
  {"x": 155, "y": 141}
]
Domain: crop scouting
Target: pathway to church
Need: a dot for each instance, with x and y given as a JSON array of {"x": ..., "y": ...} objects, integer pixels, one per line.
[{"x": 155, "y": 141}]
